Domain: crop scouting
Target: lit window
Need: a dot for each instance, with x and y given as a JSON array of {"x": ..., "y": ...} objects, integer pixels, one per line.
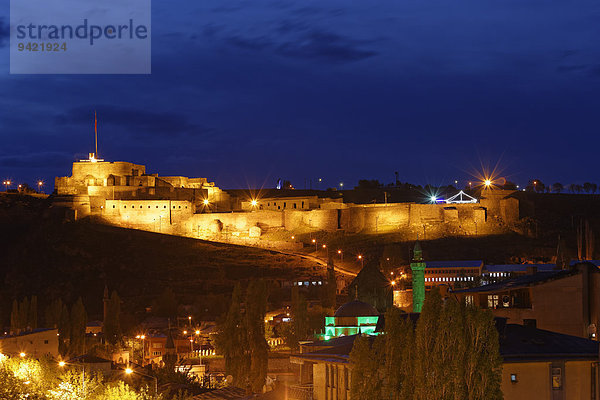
[
  {"x": 492, "y": 301},
  {"x": 513, "y": 378}
]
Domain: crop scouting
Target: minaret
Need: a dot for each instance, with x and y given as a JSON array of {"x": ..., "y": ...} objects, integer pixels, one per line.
[{"x": 418, "y": 278}]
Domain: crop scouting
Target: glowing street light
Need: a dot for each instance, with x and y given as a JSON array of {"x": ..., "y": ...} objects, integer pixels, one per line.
[
  {"x": 206, "y": 202},
  {"x": 22, "y": 355},
  {"x": 341, "y": 253},
  {"x": 433, "y": 199},
  {"x": 6, "y": 184},
  {"x": 487, "y": 183},
  {"x": 360, "y": 257},
  {"x": 130, "y": 371},
  {"x": 254, "y": 203},
  {"x": 40, "y": 184}
]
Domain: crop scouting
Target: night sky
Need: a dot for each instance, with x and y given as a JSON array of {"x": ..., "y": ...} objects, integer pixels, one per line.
[{"x": 245, "y": 92}]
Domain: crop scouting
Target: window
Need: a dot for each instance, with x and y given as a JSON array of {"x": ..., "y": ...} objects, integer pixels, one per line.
[
  {"x": 45, "y": 342},
  {"x": 556, "y": 378},
  {"x": 124, "y": 206},
  {"x": 492, "y": 301},
  {"x": 469, "y": 300},
  {"x": 294, "y": 205},
  {"x": 113, "y": 206},
  {"x": 302, "y": 205},
  {"x": 513, "y": 378},
  {"x": 284, "y": 204}
]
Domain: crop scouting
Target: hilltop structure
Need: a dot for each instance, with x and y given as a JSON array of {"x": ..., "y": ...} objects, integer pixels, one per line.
[{"x": 124, "y": 194}]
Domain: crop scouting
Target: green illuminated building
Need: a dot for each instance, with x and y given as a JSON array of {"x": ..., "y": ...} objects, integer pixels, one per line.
[
  {"x": 350, "y": 319},
  {"x": 418, "y": 278}
]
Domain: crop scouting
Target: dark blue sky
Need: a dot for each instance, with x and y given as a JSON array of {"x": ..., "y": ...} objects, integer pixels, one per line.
[{"x": 245, "y": 92}]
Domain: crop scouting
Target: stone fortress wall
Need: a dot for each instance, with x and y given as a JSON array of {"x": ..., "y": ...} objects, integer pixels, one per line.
[{"x": 122, "y": 194}]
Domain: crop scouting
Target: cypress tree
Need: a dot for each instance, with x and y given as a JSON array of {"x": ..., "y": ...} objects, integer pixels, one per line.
[
  {"x": 15, "y": 325},
  {"x": 64, "y": 331},
  {"x": 427, "y": 379},
  {"x": 78, "y": 323},
  {"x": 256, "y": 308},
  {"x": 367, "y": 361},
  {"x": 52, "y": 314},
  {"x": 232, "y": 340},
  {"x": 32, "y": 316},
  {"x": 24, "y": 313},
  {"x": 483, "y": 364},
  {"x": 112, "y": 325}
]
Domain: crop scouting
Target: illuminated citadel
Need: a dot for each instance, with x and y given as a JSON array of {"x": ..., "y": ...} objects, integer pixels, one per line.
[{"x": 125, "y": 194}]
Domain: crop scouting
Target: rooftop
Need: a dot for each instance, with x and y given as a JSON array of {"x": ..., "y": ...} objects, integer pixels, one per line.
[
  {"x": 356, "y": 308},
  {"x": 454, "y": 264},
  {"x": 519, "y": 282}
]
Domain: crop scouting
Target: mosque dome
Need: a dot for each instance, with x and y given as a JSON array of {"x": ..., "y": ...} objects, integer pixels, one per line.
[{"x": 356, "y": 308}]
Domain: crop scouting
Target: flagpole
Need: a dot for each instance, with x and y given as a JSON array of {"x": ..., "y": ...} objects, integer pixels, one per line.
[{"x": 96, "y": 132}]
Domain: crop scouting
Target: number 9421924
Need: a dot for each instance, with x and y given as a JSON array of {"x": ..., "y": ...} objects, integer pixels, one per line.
[{"x": 42, "y": 47}]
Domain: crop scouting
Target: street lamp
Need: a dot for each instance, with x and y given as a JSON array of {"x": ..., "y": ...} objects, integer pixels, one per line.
[
  {"x": 40, "y": 184},
  {"x": 82, "y": 366},
  {"x": 130, "y": 371},
  {"x": 6, "y": 184},
  {"x": 360, "y": 257},
  {"x": 315, "y": 242},
  {"x": 341, "y": 253}
]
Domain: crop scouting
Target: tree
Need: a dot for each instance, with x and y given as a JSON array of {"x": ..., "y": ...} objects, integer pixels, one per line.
[
  {"x": 535, "y": 185},
  {"x": 427, "y": 369},
  {"x": 112, "y": 325},
  {"x": 368, "y": 184},
  {"x": 52, "y": 314},
  {"x": 78, "y": 323},
  {"x": 15, "y": 325},
  {"x": 23, "y": 313},
  {"x": 558, "y": 187},
  {"x": 231, "y": 341},
  {"x": 367, "y": 361},
  {"x": 64, "y": 331},
  {"x": 256, "y": 308},
  {"x": 453, "y": 354},
  {"x": 587, "y": 187},
  {"x": 483, "y": 364},
  {"x": 399, "y": 341},
  {"x": 32, "y": 316}
]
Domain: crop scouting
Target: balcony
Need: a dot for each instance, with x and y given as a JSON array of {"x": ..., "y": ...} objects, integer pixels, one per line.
[{"x": 300, "y": 392}]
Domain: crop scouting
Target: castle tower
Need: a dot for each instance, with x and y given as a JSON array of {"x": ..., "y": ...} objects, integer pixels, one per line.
[{"x": 418, "y": 278}]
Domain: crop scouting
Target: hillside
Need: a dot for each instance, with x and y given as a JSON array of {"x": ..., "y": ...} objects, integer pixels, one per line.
[{"x": 41, "y": 254}]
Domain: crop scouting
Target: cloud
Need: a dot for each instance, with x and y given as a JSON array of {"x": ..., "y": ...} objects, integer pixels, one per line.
[
  {"x": 254, "y": 44},
  {"x": 325, "y": 46},
  {"x": 135, "y": 121},
  {"x": 4, "y": 32},
  {"x": 314, "y": 45}
]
